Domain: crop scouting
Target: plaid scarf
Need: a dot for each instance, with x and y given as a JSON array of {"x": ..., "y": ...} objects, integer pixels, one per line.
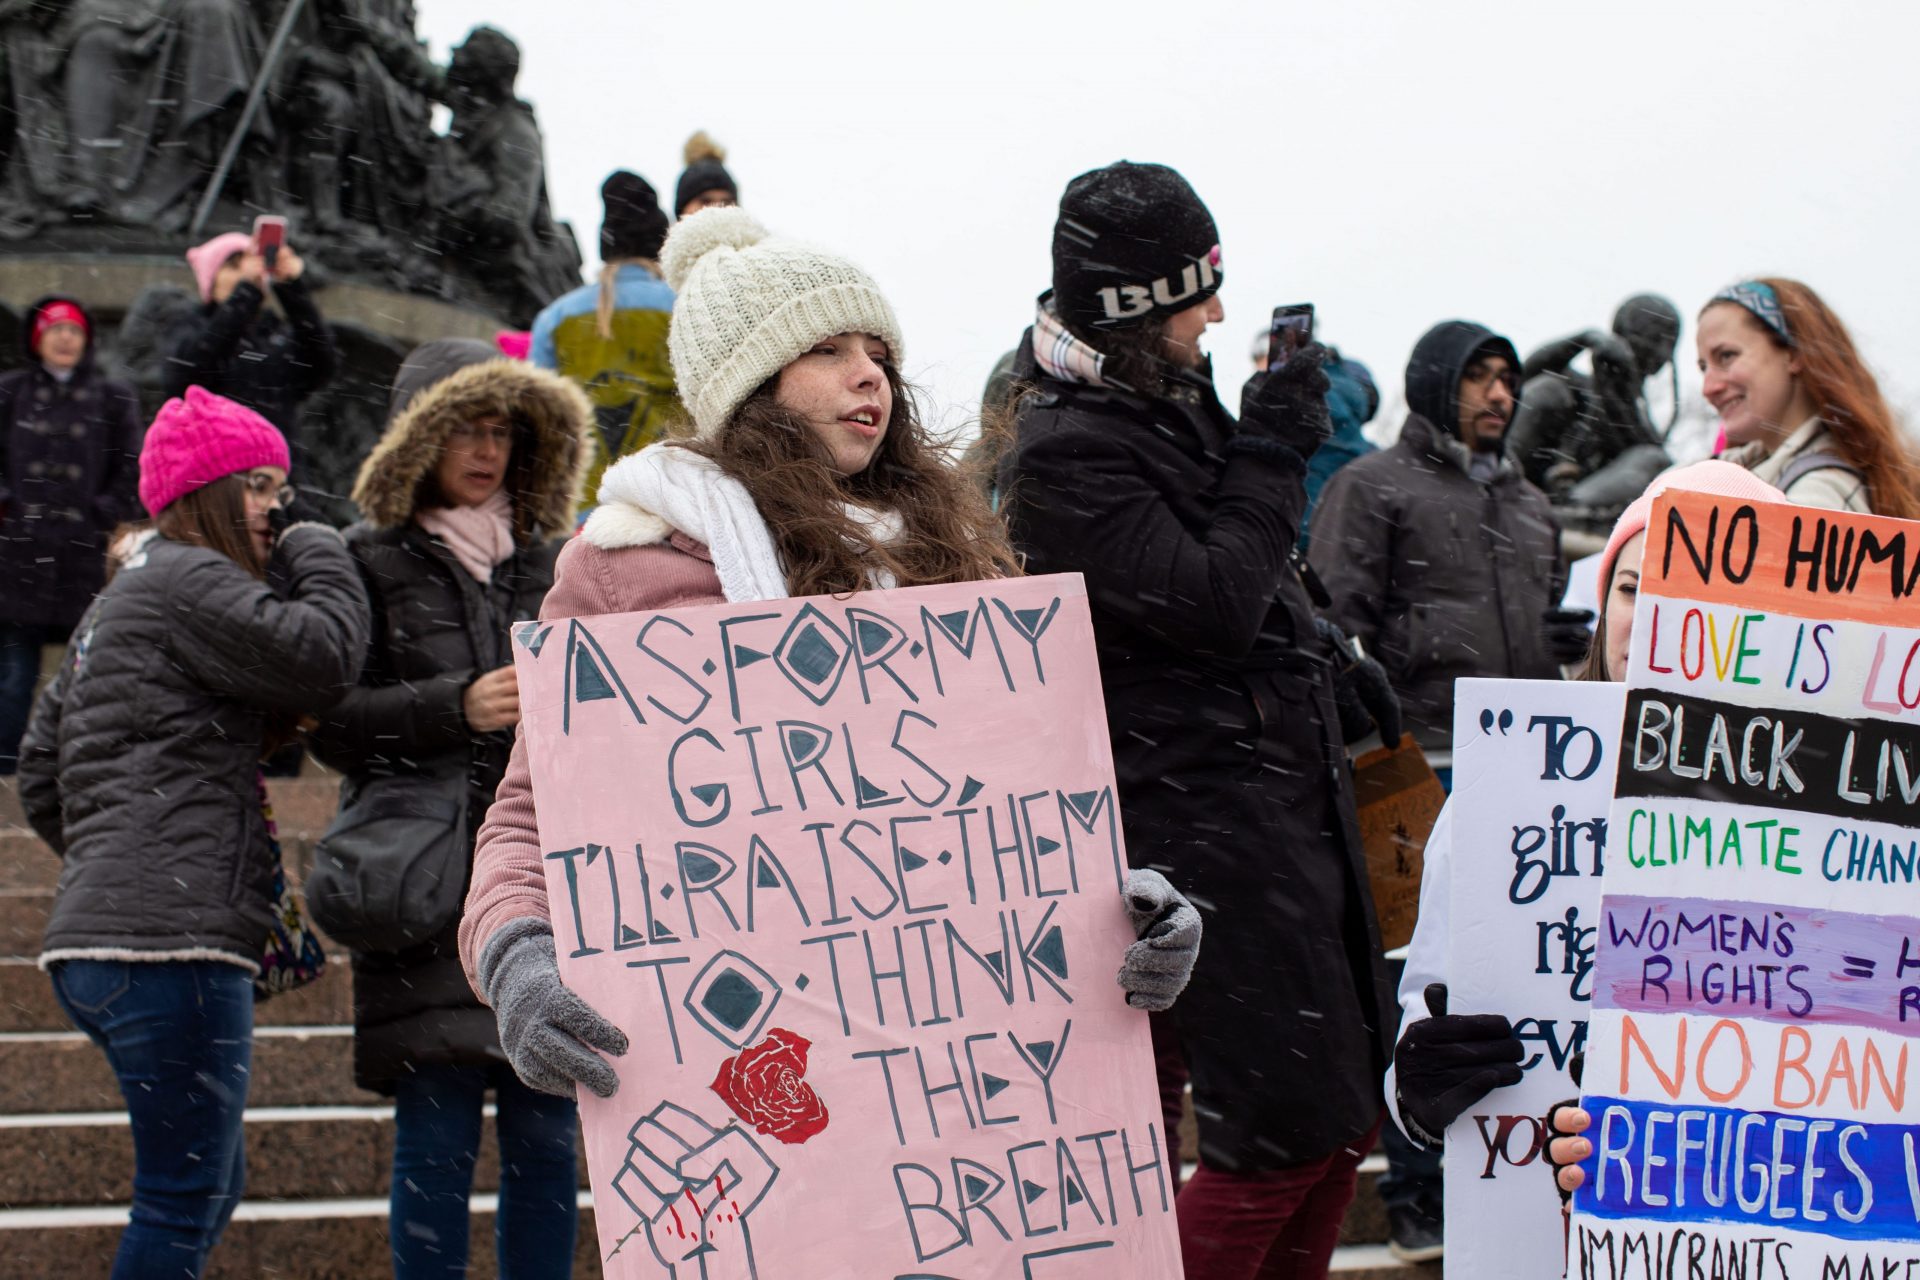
[{"x": 1059, "y": 353}]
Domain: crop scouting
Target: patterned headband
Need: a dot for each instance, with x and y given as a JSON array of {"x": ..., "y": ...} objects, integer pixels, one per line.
[{"x": 1759, "y": 299}]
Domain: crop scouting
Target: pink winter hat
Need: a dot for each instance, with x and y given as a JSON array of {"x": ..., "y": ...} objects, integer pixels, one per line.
[
  {"x": 1712, "y": 476},
  {"x": 199, "y": 438},
  {"x": 207, "y": 259}
]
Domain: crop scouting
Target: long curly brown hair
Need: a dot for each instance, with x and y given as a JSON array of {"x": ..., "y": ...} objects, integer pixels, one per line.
[
  {"x": 949, "y": 533},
  {"x": 1847, "y": 397}
]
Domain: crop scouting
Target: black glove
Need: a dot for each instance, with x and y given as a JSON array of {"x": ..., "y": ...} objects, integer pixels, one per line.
[
  {"x": 1569, "y": 634},
  {"x": 1446, "y": 1063},
  {"x": 1289, "y": 404},
  {"x": 1361, "y": 690},
  {"x": 299, "y": 511}
]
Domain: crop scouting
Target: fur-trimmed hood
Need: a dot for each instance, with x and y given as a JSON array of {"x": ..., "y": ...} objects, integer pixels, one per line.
[{"x": 454, "y": 380}]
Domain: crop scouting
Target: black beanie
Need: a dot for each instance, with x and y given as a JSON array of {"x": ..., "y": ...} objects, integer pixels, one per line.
[
  {"x": 634, "y": 226},
  {"x": 704, "y": 172},
  {"x": 1132, "y": 242}
]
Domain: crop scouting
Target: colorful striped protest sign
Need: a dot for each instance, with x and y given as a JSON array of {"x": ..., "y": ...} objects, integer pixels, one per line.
[{"x": 1751, "y": 1065}]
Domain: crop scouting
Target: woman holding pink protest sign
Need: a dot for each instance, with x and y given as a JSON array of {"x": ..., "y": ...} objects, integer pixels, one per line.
[
  {"x": 1447, "y": 1061},
  {"x": 1799, "y": 407},
  {"x": 808, "y": 472}
]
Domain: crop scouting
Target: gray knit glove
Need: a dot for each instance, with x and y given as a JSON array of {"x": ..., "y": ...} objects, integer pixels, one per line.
[
  {"x": 548, "y": 1032},
  {"x": 1155, "y": 969}
]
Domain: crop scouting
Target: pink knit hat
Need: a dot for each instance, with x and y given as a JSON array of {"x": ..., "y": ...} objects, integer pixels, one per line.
[
  {"x": 198, "y": 439},
  {"x": 207, "y": 259},
  {"x": 1712, "y": 476}
]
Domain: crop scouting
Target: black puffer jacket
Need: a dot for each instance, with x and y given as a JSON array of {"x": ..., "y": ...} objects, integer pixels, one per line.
[
  {"x": 241, "y": 350},
  {"x": 1233, "y": 779},
  {"x": 140, "y": 764},
  {"x": 435, "y": 630},
  {"x": 69, "y": 462},
  {"x": 1441, "y": 576}
]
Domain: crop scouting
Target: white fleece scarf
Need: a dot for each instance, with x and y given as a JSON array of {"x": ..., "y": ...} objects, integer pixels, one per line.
[{"x": 645, "y": 496}]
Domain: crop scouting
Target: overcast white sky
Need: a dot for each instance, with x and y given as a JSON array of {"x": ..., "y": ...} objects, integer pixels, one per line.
[{"x": 1523, "y": 164}]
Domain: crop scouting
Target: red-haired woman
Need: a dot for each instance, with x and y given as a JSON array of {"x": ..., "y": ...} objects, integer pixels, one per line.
[{"x": 1800, "y": 408}]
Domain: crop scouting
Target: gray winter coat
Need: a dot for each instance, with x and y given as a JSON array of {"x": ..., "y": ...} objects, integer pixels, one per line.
[
  {"x": 140, "y": 763},
  {"x": 1439, "y": 575}
]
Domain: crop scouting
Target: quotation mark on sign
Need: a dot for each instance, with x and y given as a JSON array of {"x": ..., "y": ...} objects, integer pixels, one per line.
[{"x": 1487, "y": 721}]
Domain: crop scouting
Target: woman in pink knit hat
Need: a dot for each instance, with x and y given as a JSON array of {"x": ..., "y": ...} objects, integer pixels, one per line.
[
  {"x": 140, "y": 768},
  {"x": 1447, "y": 1061},
  {"x": 234, "y": 346}
]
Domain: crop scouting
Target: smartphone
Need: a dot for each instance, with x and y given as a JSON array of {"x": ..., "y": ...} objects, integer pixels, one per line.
[
  {"x": 269, "y": 233},
  {"x": 1291, "y": 329}
]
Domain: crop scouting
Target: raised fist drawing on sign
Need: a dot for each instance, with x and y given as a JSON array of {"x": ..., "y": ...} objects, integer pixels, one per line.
[{"x": 694, "y": 1186}]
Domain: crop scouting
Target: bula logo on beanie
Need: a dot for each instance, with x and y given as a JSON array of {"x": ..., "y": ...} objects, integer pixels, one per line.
[
  {"x": 1130, "y": 301},
  {"x": 1132, "y": 242}
]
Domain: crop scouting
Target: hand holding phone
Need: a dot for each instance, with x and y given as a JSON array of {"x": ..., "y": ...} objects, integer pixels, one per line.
[
  {"x": 269, "y": 235},
  {"x": 1290, "y": 330}
]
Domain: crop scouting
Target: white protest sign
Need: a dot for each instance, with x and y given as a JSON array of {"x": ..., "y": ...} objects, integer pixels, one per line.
[{"x": 1533, "y": 769}]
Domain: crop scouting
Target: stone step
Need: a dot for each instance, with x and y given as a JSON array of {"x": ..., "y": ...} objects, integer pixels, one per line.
[
  {"x": 27, "y": 1003},
  {"x": 1366, "y": 1220},
  {"x": 1376, "y": 1262},
  {"x": 54, "y": 1072},
  {"x": 347, "y": 1240},
  {"x": 342, "y": 1239},
  {"x": 293, "y": 1153}
]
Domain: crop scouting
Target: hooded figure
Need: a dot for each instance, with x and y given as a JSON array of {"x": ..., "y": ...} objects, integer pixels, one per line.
[
  {"x": 1352, "y": 400},
  {"x": 69, "y": 459},
  {"x": 442, "y": 602},
  {"x": 466, "y": 498},
  {"x": 1440, "y": 557}
]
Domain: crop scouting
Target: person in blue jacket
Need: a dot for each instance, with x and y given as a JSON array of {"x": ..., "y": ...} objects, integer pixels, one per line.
[
  {"x": 1353, "y": 398},
  {"x": 611, "y": 336}
]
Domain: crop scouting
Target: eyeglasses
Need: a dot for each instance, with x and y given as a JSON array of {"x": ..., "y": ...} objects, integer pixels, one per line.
[
  {"x": 468, "y": 434},
  {"x": 266, "y": 489}
]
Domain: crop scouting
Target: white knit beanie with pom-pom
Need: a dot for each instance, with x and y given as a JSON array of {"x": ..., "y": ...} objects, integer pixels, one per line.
[{"x": 747, "y": 304}]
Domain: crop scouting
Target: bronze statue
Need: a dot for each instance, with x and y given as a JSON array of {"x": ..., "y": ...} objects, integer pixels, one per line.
[
  {"x": 487, "y": 186},
  {"x": 117, "y": 108},
  {"x": 1587, "y": 439},
  {"x": 116, "y": 115}
]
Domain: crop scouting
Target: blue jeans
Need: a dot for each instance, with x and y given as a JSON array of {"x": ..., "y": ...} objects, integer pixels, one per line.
[
  {"x": 179, "y": 1035},
  {"x": 19, "y": 672},
  {"x": 435, "y": 1144}
]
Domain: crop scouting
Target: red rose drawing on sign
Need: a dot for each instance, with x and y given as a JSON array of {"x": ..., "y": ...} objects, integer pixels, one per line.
[{"x": 765, "y": 1085}]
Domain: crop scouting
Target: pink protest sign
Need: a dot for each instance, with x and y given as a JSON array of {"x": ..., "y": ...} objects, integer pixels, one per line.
[{"x": 847, "y": 872}]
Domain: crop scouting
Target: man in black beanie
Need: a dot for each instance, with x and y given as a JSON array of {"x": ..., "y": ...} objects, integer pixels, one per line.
[
  {"x": 1125, "y": 467},
  {"x": 611, "y": 336}
]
